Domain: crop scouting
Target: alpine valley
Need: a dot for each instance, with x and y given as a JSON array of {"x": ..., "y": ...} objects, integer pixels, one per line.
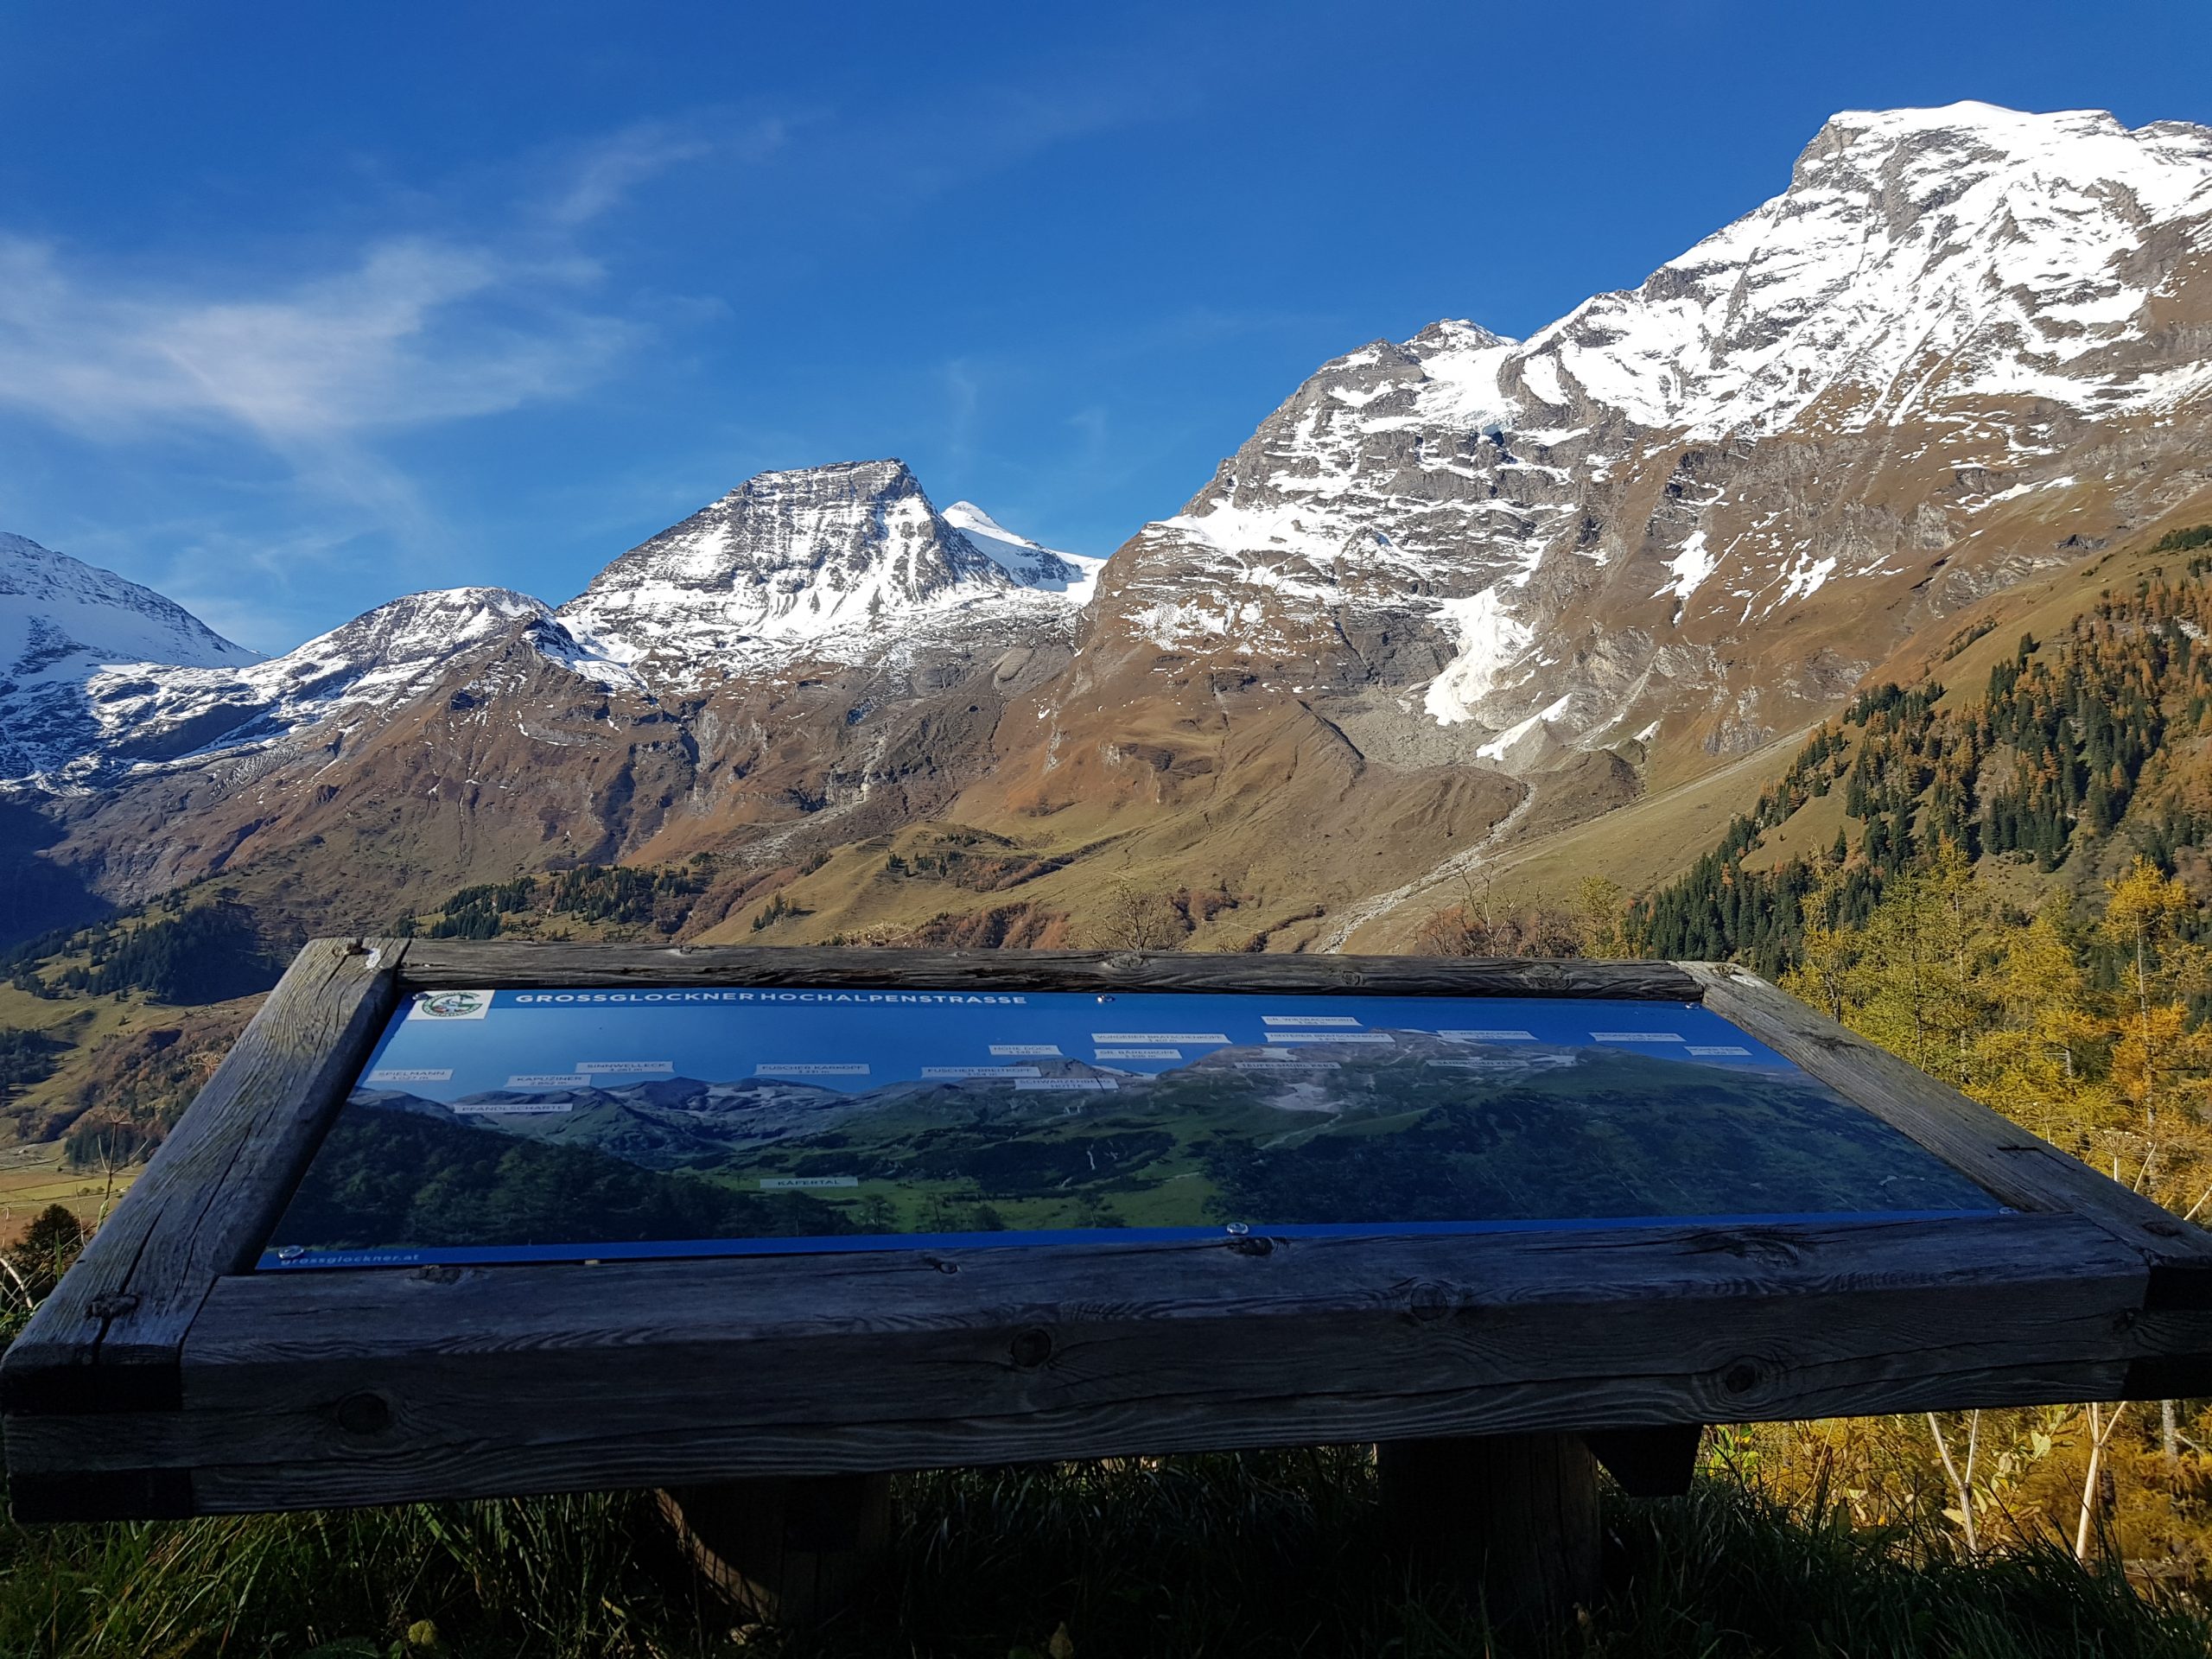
[{"x": 1459, "y": 603}]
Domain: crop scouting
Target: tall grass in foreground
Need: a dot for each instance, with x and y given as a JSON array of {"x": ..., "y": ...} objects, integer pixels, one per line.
[{"x": 1274, "y": 1554}]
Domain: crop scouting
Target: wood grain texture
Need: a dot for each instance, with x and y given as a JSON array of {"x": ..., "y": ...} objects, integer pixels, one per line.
[
  {"x": 432, "y": 964},
  {"x": 2016, "y": 1166},
  {"x": 109, "y": 1336},
  {"x": 313, "y": 1390},
  {"x": 530, "y": 1379}
]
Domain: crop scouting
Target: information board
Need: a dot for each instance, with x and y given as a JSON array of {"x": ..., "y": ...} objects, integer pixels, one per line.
[
  {"x": 549, "y": 1125},
  {"x": 1286, "y": 1199}
]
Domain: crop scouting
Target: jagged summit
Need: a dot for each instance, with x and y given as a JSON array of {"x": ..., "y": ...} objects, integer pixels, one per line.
[
  {"x": 1918, "y": 256},
  {"x": 414, "y": 627},
  {"x": 839, "y": 561},
  {"x": 2020, "y": 132}
]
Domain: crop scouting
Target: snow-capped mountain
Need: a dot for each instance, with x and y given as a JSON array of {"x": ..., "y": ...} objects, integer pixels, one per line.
[
  {"x": 839, "y": 563},
  {"x": 1891, "y": 369},
  {"x": 839, "y": 652},
  {"x": 845, "y": 563},
  {"x": 381, "y": 660},
  {"x": 85, "y": 728},
  {"x": 101, "y": 674},
  {"x": 58, "y": 613},
  {"x": 1456, "y": 589},
  {"x": 1918, "y": 258},
  {"x": 63, "y": 622}
]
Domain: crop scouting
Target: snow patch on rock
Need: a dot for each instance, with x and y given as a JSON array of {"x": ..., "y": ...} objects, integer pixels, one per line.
[
  {"x": 1048, "y": 569},
  {"x": 1692, "y": 563},
  {"x": 1491, "y": 639}
]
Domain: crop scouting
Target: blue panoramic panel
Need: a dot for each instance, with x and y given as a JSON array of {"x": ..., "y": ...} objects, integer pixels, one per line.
[{"x": 511, "y": 1125}]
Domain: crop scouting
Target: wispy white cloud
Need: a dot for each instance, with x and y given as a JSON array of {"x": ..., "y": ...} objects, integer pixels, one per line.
[
  {"x": 408, "y": 335},
  {"x": 205, "y": 570},
  {"x": 403, "y": 331},
  {"x": 997, "y": 128},
  {"x": 610, "y": 169},
  {"x": 315, "y": 365}
]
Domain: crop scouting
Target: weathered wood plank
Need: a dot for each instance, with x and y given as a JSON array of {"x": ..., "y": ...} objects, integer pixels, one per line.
[
  {"x": 434, "y": 963},
  {"x": 2015, "y": 1164},
  {"x": 438, "y": 1448},
  {"x": 109, "y": 1336},
  {"x": 291, "y": 1316},
  {"x": 232, "y": 1474},
  {"x": 377, "y": 1387}
]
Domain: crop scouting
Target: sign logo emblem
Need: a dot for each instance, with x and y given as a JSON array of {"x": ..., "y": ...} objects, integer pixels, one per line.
[{"x": 451, "y": 1005}]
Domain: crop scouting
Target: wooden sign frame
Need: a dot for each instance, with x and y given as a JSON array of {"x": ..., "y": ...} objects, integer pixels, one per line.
[{"x": 166, "y": 1378}]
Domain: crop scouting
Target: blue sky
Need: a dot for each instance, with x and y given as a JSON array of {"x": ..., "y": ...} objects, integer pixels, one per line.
[{"x": 301, "y": 306}]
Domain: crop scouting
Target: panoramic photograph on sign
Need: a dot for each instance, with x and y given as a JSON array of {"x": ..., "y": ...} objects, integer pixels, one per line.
[{"x": 500, "y": 1126}]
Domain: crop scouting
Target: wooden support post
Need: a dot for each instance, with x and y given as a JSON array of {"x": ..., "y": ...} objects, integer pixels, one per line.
[
  {"x": 790, "y": 1550},
  {"x": 1515, "y": 1516}
]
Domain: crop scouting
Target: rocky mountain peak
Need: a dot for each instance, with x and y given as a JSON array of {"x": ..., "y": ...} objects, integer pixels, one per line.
[
  {"x": 83, "y": 730},
  {"x": 832, "y": 560},
  {"x": 1918, "y": 257},
  {"x": 1561, "y": 541},
  {"x": 847, "y": 563},
  {"x": 1972, "y": 137}
]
